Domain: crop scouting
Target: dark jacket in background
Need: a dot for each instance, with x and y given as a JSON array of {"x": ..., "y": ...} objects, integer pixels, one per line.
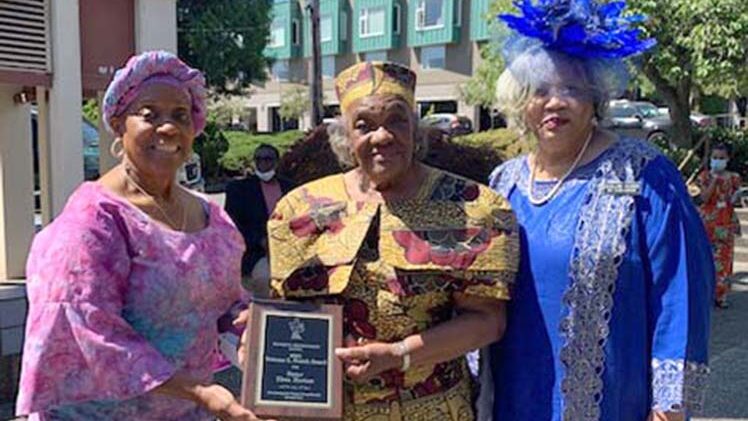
[{"x": 246, "y": 206}]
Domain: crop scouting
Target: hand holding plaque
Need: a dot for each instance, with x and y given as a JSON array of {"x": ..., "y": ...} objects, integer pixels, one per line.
[
  {"x": 290, "y": 369},
  {"x": 367, "y": 360}
]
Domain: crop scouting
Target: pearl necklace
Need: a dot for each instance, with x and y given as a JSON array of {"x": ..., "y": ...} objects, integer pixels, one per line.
[
  {"x": 166, "y": 216},
  {"x": 560, "y": 182}
]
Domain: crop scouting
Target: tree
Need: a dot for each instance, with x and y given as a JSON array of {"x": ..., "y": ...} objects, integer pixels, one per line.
[
  {"x": 223, "y": 109},
  {"x": 225, "y": 39},
  {"x": 294, "y": 104},
  {"x": 480, "y": 90},
  {"x": 702, "y": 47}
]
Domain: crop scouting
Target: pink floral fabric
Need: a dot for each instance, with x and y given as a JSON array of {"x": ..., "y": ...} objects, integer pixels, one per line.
[{"x": 117, "y": 305}]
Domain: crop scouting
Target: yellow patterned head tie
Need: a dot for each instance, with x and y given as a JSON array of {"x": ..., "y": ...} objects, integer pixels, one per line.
[{"x": 375, "y": 78}]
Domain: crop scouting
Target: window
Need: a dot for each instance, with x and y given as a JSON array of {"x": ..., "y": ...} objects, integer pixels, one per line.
[
  {"x": 328, "y": 67},
  {"x": 344, "y": 26},
  {"x": 396, "y": 19},
  {"x": 429, "y": 14},
  {"x": 280, "y": 70},
  {"x": 376, "y": 56},
  {"x": 277, "y": 34},
  {"x": 325, "y": 28},
  {"x": 433, "y": 57},
  {"x": 371, "y": 22},
  {"x": 295, "y": 32}
]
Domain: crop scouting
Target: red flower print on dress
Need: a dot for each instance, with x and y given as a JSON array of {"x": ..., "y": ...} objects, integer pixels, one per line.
[
  {"x": 314, "y": 278},
  {"x": 325, "y": 215},
  {"x": 356, "y": 319},
  {"x": 454, "y": 248}
]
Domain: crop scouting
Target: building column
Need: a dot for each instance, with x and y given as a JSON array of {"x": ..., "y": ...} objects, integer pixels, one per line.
[
  {"x": 65, "y": 158},
  {"x": 16, "y": 184},
  {"x": 155, "y": 25},
  {"x": 264, "y": 119}
]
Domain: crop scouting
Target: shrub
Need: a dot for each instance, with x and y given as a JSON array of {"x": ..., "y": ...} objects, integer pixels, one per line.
[
  {"x": 736, "y": 139},
  {"x": 242, "y": 147},
  {"x": 472, "y": 156},
  {"x": 211, "y": 145},
  {"x": 504, "y": 140}
]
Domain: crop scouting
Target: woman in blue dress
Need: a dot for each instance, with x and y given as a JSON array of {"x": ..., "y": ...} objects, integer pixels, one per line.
[{"x": 610, "y": 315}]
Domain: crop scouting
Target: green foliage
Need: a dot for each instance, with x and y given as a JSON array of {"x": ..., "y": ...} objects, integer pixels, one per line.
[
  {"x": 702, "y": 40},
  {"x": 242, "y": 145},
  {"x": 211, "y": 145},
  {"x": 702, "y": 47},
  {"x": 91, "y": 110},
  {"x": 505, "y": 141},
  {"x": 294, "y": 103},
  {"x": 480, "y": 90},
  {"x": 225, "y": 39},
  {"x": 223, "y": 108},
  {"x": 737, "y": 140}
]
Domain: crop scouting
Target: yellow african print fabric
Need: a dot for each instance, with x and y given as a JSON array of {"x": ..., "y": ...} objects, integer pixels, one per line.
[{"x": 395, "y": 267}]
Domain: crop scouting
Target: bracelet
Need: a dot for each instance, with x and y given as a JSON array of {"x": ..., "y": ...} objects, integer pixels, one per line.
[{"x": 401, "y": 350}]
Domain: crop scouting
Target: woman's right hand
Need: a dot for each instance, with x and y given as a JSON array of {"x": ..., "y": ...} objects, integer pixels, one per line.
[{"x": 220, "y": 402}]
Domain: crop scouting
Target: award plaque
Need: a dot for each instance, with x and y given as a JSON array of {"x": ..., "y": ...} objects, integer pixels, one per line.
[{"x": 291, "y": 371}]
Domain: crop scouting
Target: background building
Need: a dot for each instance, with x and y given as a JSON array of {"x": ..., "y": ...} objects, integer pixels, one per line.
[{"x": 439, "y": 39}]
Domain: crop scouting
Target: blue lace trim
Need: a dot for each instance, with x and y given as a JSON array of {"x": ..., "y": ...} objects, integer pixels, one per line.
[{"x": 678, "y": 385}]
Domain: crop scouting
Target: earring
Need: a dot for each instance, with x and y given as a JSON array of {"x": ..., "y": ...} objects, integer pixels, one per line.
[{"x": 117, "y": 149}]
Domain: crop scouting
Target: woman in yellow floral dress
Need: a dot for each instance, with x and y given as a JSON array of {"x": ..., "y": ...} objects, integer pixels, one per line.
[{"x": 421, "y": 259}]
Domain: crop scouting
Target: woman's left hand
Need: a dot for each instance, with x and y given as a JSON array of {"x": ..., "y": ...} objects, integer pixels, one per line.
[{"x": 362, "y": 362}]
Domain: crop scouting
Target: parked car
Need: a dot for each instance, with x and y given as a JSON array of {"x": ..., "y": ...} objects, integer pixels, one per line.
[
  {"x": 90, "y": 138},
  {"x": 643, "y": 120},
  {"x": 637, "y": 119},
  {"x": 449, "y": 124},
  {"x": 697, "y": 119}
]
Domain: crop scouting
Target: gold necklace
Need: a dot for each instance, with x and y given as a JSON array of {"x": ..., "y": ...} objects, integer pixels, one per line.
[{"x": 166, "y": 216}]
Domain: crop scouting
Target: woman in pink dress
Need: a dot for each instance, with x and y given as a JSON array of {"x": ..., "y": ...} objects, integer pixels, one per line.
[{"x": 126, "y": 285}]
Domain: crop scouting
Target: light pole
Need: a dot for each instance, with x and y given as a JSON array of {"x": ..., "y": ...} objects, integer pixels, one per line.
[{"x": 315, "y": 90}]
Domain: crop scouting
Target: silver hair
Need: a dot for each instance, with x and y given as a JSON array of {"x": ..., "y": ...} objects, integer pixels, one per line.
[
  {"x": 516, "y": 85},
  {"x": 338, "y": 137}
]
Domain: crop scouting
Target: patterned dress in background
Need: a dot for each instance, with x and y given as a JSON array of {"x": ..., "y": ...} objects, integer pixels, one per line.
[
  {"x": 118, "y": 305},
  {"x": 721, "y": 222},
  {"x": 395, "y": 267}
]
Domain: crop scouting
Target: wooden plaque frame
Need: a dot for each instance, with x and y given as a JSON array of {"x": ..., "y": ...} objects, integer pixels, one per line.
[{"x": 252, "y": 381}]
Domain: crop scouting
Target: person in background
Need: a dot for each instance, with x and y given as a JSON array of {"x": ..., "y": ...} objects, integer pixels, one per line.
[
  {"x": 718, "y": 189},
  {"x": 610, "y": 317},
  {"x": 249, "y": 202},
  {"x": 126, "y": 285}
]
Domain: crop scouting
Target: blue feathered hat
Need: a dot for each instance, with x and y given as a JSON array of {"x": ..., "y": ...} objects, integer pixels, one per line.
[{"x": 599, "y": 34}]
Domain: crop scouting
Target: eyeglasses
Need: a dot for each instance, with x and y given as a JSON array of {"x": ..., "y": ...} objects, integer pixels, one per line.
[
  {"x": 546, "y": 91},
  {"x": 264, "y": 159}
]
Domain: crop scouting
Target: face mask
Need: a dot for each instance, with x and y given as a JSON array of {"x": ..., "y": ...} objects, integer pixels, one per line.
[
  {"x": 718, "y": 164},
  {"x": 265, "y": 176}
]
